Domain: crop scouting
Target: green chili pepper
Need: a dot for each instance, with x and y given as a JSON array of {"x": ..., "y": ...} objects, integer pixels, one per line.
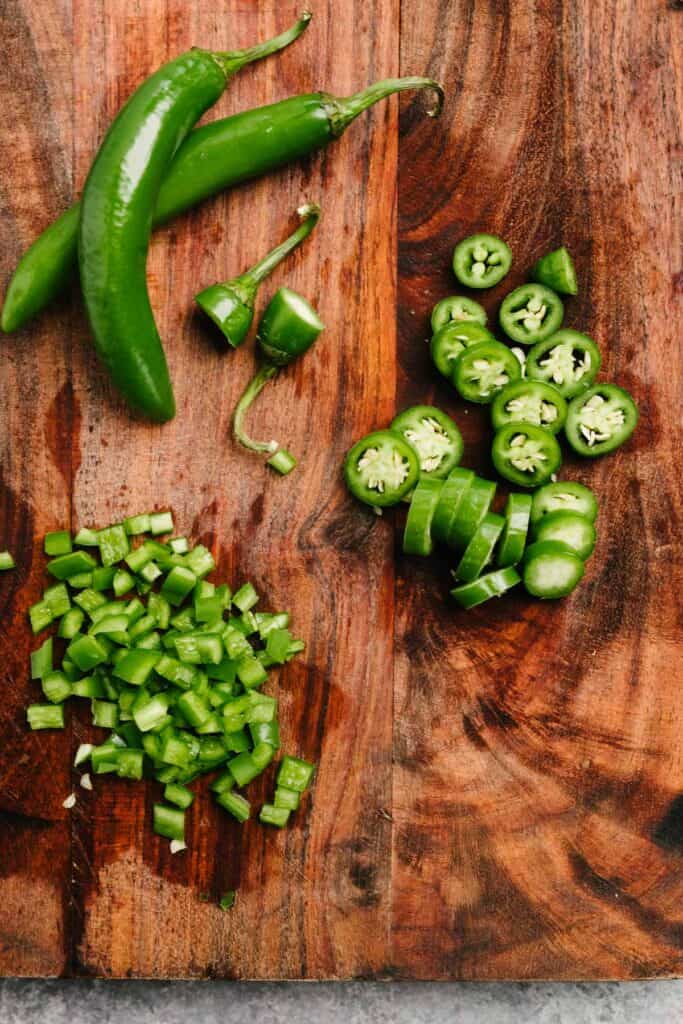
[
  {"x": 513, "y": 537},
  {"x": 433, "y": 435},
  {"x": 529, "y": 401},
  {"x": 564, "y": 495},
  {"x": 417, "y": 536},
  {"x": 493, "y": 584},
  {"x": 452, "y": 339},
  {"x": 571, "y": 528},
  {"x": 381, "y": 468},
  {"x": 212, "y": 158},
  {"x": 600, "y": 420},
  {"x": 6, "y": 560},
  {"x": 531, "y": 313},
  {"x": 568, "y": 360},
  {"x": 452, "y": 494},
  {"x": 551, "y": 569},
  {"x": 118, "y": 202},
  {"x": 288, "y": 328},
  {"x": 483, "y": 370},
  {"x": 457, "y": 307},
  {"x": 231, "y": 304},
  {"x": 525, "y": 454},
  {"x": 556, "y": 271},
  {"x": 472, "y": 509},
  {"x": 481, "y": 261},
  {"x": 479, "y": 551}
]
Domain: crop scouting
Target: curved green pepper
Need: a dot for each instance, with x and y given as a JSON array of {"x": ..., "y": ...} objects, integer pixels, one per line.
[
  {"x": 212, "y": 158},
  {"x": 119, "y": 197},
  {"x": 231, "y": 304}
]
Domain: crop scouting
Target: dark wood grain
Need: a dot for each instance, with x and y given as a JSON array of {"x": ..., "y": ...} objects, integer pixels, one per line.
[
  {"x": 537, "y": 747},
  {"x": 498, "y": 793}
]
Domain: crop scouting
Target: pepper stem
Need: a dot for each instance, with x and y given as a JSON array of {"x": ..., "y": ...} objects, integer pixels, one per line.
[
  {"x": 309, "y": 214},
  {"x": 232, "y": 60},
  {"x": 345, "y": 110},
  {"x": 252, "y": 390}
]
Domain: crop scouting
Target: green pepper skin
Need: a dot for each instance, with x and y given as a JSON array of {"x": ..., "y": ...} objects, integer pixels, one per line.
[
  {"x": 555, "y": 270},
  {"x": 116, "y": 221},
  {"x": 288, "y": 327},
  {"x": 212, "y": 158}
]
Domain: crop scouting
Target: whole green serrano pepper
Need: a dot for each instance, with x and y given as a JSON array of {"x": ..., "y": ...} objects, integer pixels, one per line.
[
  {"x": 119, "y": 197},
  {"x": 212, "y": 158}
]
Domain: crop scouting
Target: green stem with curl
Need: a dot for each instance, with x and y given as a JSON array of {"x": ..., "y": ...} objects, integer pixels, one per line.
[
  {"x": 309, "y": 215},
  {"x": 344, "y": 110},
  {"x": 230, "y": 61},
  {"x": 252, "y": 390}
]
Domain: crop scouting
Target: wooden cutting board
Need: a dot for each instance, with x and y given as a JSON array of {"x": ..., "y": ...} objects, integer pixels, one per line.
[{"x": 499, "y": 793}]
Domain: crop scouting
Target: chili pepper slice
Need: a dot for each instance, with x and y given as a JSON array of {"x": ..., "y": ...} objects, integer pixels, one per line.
[
  {"x": 568, "y": 360},
  {"x": 454, "y": 488},
  {"x": 433, "y": 435},
  {"x": 288, "y": 328},
  {"x": 231, "y": 304},
  {"x": 417, "y": 536},
  {"x": 600, "y": 420},
  {"x": 457, "y": 307},
  {"x": 571, "y": 528},
  {"x": 564, "y": 495},
  {"x": 555, "y": 270},
  {"x": 525, "y": 454},
  {"x": 481, "y": 261},
  {"x": 551, "y": 569},
  {"x": 513, "y": 537},
  {"x": 470, "y": 513},
  {"x": 483, "y": 370},
  {"x": 479, "y": 551},
  {"x": 493, "y": 584},
  {"x": 449, "y": 341},
  {"x": 212, "y": 158},
  {"x": 381, "y": 468},
  {"x": 529, "y": 401},
  {"x": 531, "y": 313}
]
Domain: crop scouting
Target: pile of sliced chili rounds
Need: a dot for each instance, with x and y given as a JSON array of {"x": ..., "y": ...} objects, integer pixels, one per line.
[
  {"x": 172, "y": 665},
  {"x": 542, "y": 539}
]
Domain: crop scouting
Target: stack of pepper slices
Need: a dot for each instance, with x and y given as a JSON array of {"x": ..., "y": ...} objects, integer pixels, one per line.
[{"x": 542, "y": 538}]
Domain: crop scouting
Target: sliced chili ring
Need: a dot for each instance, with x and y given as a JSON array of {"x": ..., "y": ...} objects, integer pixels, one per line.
[
  {"x": 483, "y": 370},
  {"x": 457, "y": 307},
  {"x": 493, "y": 584},
  {"x": 471, "y": 510},
  {"x": 531, "y": 313},
  {"x": 434, "y": 436},
  {"x": 513, "y": 537},
  {"x": 525, "y": 455},
  {"x": 564, "y": 495},
  {"x": 529, "y": 401},
  {"x": 568, "y": 360},
  {"x": 600, "y": 420},
  {"x": 571, "y": 528},
  {"x": 551, "y": 569},
  {"x": 555, "y": 270},
  {"x": 449, "y": 341},
  {"x": 381, "y": 468},
  {"x": 479, "y": 551},
  {"x": 481, "y": 261},
  {"x": 417, "y": 535},
  {"x": 454, "y": 489}
]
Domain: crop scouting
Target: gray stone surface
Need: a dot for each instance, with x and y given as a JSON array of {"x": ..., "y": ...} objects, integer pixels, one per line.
[{"x": 140, "y": 1002}]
